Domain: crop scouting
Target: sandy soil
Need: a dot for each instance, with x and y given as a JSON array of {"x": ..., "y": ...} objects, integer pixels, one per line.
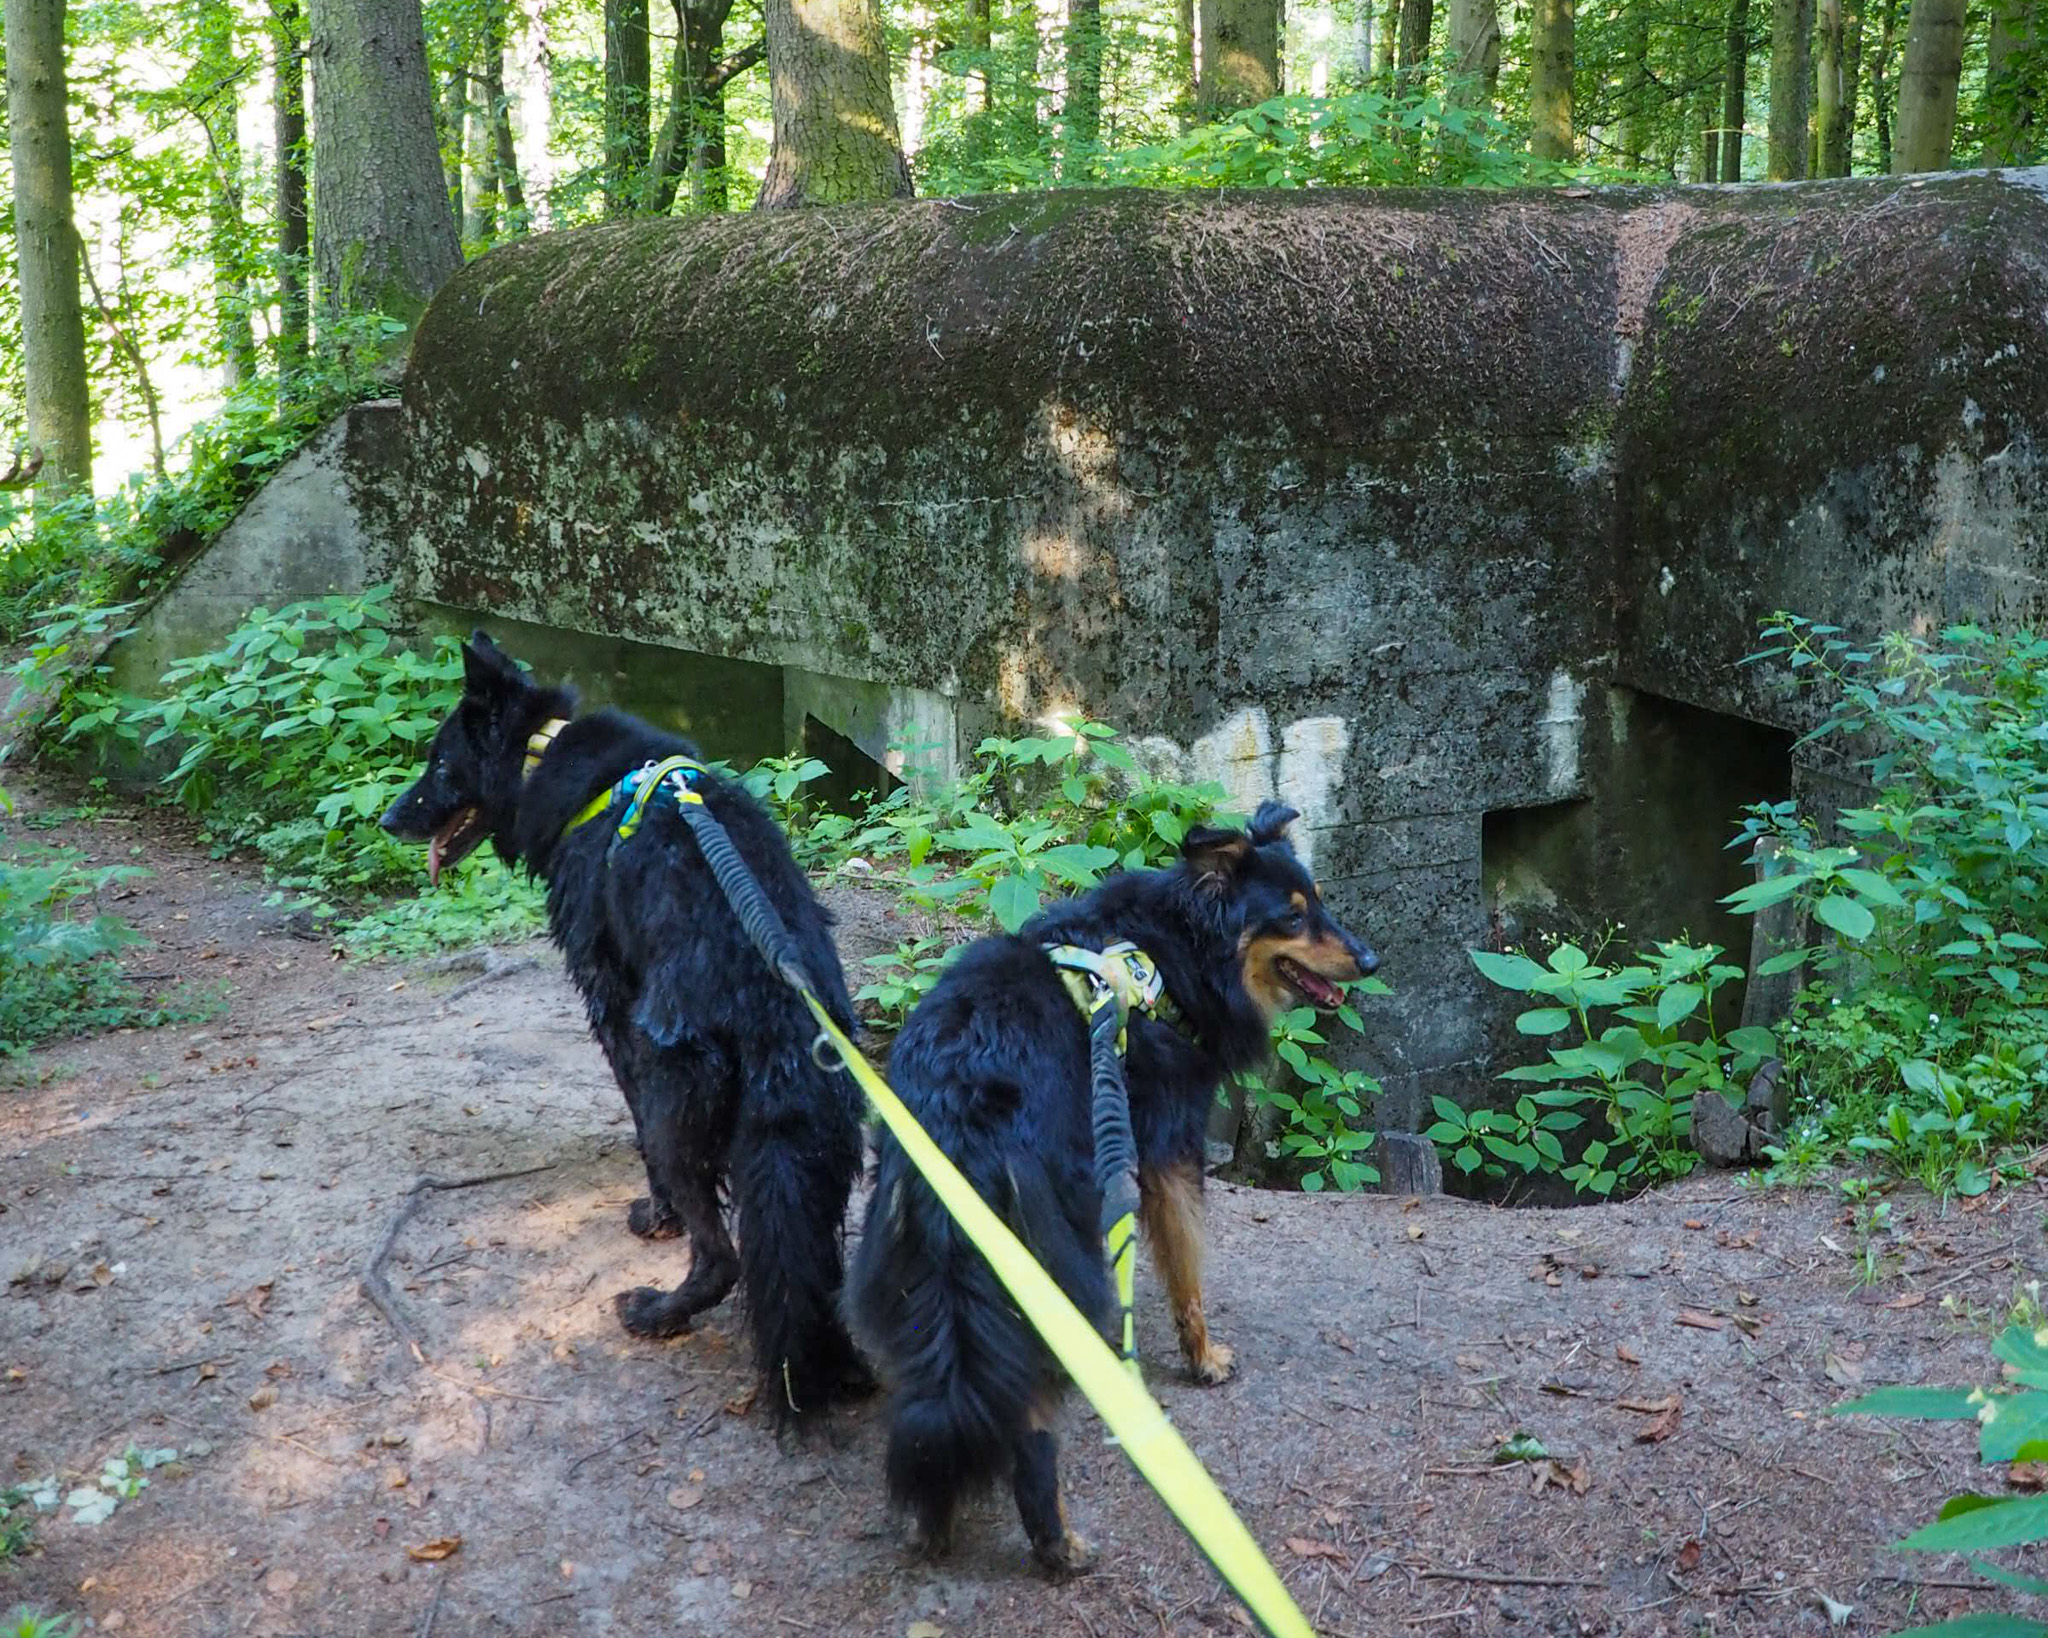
[{"x": 184, "y": 1214}]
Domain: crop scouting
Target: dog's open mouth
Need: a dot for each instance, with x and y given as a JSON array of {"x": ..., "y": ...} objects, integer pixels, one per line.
[
  {"x": 454, "y": 842},
  {"x": 1312, "y": 987}
]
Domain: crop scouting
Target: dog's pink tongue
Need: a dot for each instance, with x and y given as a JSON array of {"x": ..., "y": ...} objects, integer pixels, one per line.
[
  {"x": 1318, "y": 990},
  {"x": 433, "y": 861}
]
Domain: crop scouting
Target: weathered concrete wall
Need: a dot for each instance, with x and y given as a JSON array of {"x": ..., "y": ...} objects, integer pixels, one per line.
[
  {"x": 1389, "y": 504},
  {"x": 302, "y": 535}
]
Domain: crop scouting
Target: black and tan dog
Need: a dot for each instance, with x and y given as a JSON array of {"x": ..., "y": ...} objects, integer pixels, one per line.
[
  {"x": 995, "y": 1064},
  {"x": 711, "y": 1048}
]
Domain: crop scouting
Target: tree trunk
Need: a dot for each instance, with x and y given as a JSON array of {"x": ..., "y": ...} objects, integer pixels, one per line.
[
  {"x": 1636, "y": 87},
  {"x": 835, "y": 138},
  {"x": 288, "y": 126},
  {"x": 2012, "y": 96},
  {"x": 46, "y": 248},
  {"x": 1852, "y": 85},
  {"x": 1475, "y": 44},
  {"x": 1791, "y": 69},
  {"x": 1710, "y": 140},
  {"x": 628, "y": 88},
  {"x": 1927, "y": 86},
  {"x": 217, "y": 106},
  {"x": 384, "y": 239},
  {"x": 1418, "y": 18},
  {"x": 1829, "y": 100},
  {"x": 693, "y": 132},
  {"x": 1390, "y": 42},
  {"x": 1084, "y": 76},
  {"x": 451, "y": 120},
  {"x": 504, "y": 156},
  {"x": 1240, "y": 55},
  {"x": 1550, "y": 79},
  {"x": 1734, "y": 91},
  {"x": 980, "y": 38},
  {"x": 1882, "y": 90},
  {"x": 479, "y": 171}
]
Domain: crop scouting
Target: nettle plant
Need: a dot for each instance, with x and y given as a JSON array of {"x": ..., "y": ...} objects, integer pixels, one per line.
[
  {"x": 1639, "y": 1043},
  {"x": 2012, "y": 1426},
  {"x": 1322, "y": 1105}
]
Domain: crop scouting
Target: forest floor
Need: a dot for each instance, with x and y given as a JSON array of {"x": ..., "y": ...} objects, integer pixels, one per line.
[{"x": 185, "y": 1213}]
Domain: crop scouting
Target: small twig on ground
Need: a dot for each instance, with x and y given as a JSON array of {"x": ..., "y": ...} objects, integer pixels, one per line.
[
  {"x": 373, "y": 1284},
  {"x": 491, "y": 965},
  {"x": 1441, "y": 1615},
  {"x": 189, "y": 1364},
  {"x": 300, "y": 1444},
  {"x": 487, "y": 1390},
  {"x": 1487, "y": 1579},
  {"x": 433, "y": 1609},
  {"x": 592, "y": 1455}
]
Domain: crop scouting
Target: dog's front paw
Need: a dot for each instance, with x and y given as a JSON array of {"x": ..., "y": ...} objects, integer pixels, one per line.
[
  {"x": 1071, "y": 1555},
  {"x": 648, "y": 1311},
  {"x": 652, "y": 1222},
  {"x": 1214, "y": 1365}
]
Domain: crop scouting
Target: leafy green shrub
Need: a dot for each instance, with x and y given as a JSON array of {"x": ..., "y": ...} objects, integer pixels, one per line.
[
  {"x": 59, "y": 964},
  {"x": 1641, "y": 1044},
  {"x": 25, "y": 1622},
  {"x": 1923, "y": 1042},
  {"x": 904, "y": 976},
  {"x": 2012, "y": 1426},
  {"x": 1320, "y": 1104}
]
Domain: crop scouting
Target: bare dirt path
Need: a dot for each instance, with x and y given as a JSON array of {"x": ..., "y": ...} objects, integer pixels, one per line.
[{"x": 184, "y": 1214}]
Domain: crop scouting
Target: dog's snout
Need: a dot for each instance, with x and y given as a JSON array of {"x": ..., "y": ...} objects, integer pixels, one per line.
[{"x": 1367, "y": 958}]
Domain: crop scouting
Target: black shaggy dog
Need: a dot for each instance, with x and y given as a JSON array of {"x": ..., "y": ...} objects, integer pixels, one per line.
[
  {"x": 710, "y": 1047},
  {"x": 994, "y": 1063}
]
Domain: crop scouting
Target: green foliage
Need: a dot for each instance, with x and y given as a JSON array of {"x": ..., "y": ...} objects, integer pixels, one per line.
[
  {"x": 60, "y": 972},
  {"x": 17, "y": 1530},
  {"x": 25, "y": 1622},
  {"x": 903, "y": 976},
  {"x": 1322, "y": 1105},
  {"x": 1923, "y": 1043},
  {"x": 1641, "y": 1043},
  {"x": 2012, "y": 1426}
]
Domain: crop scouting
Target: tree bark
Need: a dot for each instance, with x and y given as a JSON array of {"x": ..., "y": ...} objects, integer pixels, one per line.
[
  {"x": 1240, "y": 42},
  {"x": 2012, "y": 96},
  {"x": 288, "y": 126},
  {"x": 216, "y": 105},
  {"x": 1829, "y": 99},
  {"x": 1734, "y": 91},
  {"x": 1551, "y": 57},
  {"x": 835, "y": 139},
  {"x": 1928, "y": 79},
  {"x": 1852, "y": 85},
  {"x": 384, "y": 239},
  {"x": 1882, "y": 90},
  {"x": 628, "y": 88},
  {"x": 46, "y": 248},
  {"x": 1791, "y": 68},
  {"x": 1475, "y": 46},
  {"x": 1390, "y": 43},
  {"x": 451, "y": 120},
  {"x": 504, "y": 155},
  {"x": 693, "y": 131},
  {"x": 479, "y": 170},
  {"x": 980, "y": 38},
  {"x": 1418, "y": 18},
  {"x": 1084, "y": 76},
  {"x": 1636, "y": 87}
]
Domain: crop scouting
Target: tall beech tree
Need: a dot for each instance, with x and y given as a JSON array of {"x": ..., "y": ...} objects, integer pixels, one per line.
[{"x": 835, "y": 138}]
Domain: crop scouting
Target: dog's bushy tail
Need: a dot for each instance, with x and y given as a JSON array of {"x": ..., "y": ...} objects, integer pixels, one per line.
[
  {"x": 792, "y": 1168},
  {"x": 963, "y": 1368}
]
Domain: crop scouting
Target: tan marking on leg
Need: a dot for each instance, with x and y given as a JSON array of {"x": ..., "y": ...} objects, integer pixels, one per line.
[{"x": 1170, "y": 1204}]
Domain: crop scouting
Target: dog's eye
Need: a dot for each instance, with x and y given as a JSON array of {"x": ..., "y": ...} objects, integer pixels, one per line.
[{"x": 1293, "y": 921}]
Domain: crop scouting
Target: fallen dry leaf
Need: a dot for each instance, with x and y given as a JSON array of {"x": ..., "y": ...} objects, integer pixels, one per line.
[
  {"x": 395, "y": 1477},
  {"x": 1551, "y": 1472},
  {"x": 264, "y": 1397},
  {"x": 380, "y": 1528},
  {"x": 743, "y": 1589},
  {"x": 1414, "y": 1231},
  {"x": 280, "y": 1582},
  {"x": 1844, "y": 1372},
  {"x": 1626, "y": 1354},
  {"x": 2028, "y": 1476},
  {"x": 1910, "y": 1299},
  {"x": 432, "y": 1552},
  {"x": 1648, "y": 1407},
  {"x": 685, "y": 1496},
  {"x": 1302, "y": 1547},
  {"x": 1688, "y": 1558},
  {"x": 1739, "y": 1242},
  {"x": 923, "y": 1629},
  {"x": 740, "y": 1404},
  {"x": 1698, "y": 1321},
  {"x": 1660, "y": 1428},
  {"x": 1694, "y": 1223}
]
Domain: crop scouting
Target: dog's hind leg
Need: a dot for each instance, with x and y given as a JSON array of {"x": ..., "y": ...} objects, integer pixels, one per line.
[
  {"x": 1035, "y": 1480},
  {"x": 682, "y": 1173},
  {"x": 794, "y": 1157},
  {"x": 1170, "y": 1202}
]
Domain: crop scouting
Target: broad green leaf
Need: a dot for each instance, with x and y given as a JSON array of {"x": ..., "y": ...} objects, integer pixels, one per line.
[
  {"x": 1013, "y": 901},
  {"x": 1758, "y": 895},
  {"x": 1543, "y": 1021},
  {"x": 1753, "y": 1038},
  {"x": 2009, "y": 1424},
  {"x": 1918, "y": 1404},
  {"x": 1846, "y": 916},
  {"x": 1677, "y": 1004},
  {"x": 1873, "y": 887},
  {"x": 1970, "y": 1524},
  {"x": 1511, "y": 972},
  {"x": 2027, "y": 1352}
]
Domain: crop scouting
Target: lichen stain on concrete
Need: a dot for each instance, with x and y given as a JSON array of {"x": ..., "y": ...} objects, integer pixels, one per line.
[
  {"x": 1304, "y": 769},
  {"x": 1558, "y": 729}
]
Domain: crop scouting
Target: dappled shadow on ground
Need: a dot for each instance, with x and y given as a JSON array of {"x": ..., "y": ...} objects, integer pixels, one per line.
[{"x": 191, "y": 1209}]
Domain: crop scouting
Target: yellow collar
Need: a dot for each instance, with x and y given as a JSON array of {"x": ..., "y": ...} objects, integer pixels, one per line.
[{"x": 538, "y": 742}]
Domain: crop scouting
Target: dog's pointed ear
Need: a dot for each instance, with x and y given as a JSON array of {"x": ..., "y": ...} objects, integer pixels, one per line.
[
  {"x": 1270, "y": 823},
  {"x": 1215, "y": 856},
  {"x": 488, "y": 672}
]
